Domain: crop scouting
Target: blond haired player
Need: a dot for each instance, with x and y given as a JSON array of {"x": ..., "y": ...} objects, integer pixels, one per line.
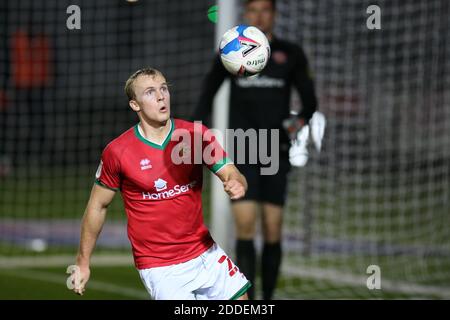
[{"x": 173, "y": 250}]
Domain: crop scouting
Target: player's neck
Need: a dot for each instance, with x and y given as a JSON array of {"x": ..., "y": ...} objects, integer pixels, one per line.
[{"x": 154, "y": 131}]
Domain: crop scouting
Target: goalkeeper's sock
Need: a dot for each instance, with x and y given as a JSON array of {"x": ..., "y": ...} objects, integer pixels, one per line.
[
  {"x": 271, "y": 261},
  {"x": 246, "y": 262}
]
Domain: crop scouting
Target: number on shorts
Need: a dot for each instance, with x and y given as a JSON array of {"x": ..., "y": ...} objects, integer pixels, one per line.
[{"x": 232, "y": 269}]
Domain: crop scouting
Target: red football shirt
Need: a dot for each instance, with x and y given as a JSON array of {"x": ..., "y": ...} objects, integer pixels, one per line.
[{"x": 161, "y": 188}]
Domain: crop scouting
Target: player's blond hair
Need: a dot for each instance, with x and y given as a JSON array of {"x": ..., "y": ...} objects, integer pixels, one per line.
[{"x": 129, "y": 85}]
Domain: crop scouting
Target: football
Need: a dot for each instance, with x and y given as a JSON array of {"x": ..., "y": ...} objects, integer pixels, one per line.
[{"x": 244, "y": 50}]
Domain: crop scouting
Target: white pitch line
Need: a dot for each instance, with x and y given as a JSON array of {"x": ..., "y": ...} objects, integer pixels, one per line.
[
  {"x": 92, "y": 284},
  {"x": 354, "y": 280},
  {"x": 63, "y": 260},
  {"x": 290, "y": 270}
]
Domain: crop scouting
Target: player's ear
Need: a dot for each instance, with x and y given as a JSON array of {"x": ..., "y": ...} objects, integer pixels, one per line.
[{"x": 134, "y": 105}]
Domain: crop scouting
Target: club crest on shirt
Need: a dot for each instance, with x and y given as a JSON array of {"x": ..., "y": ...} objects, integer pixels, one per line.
[{"x": 185, "y": 151}]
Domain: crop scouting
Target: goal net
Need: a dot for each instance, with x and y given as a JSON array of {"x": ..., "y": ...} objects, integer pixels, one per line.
[
  {"x": 378, "y": 194},
  {"x": 63, "y": 67}
]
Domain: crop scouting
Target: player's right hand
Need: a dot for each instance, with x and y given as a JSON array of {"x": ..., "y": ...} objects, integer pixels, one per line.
[
  {"x": 80, "y": 278},
  {"x": 234, "y": 188}
]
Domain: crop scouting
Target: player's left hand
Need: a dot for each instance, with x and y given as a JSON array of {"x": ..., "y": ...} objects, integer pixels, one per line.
[{"x": 234, "y": 189}]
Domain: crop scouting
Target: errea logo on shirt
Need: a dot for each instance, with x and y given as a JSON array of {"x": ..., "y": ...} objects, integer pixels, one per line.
[
  {"x": 160, "y": 185},
  {"x": 145, "y": 164}
]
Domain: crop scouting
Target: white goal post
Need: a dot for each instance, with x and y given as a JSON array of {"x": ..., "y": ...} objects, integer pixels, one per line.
[{"x": 221, "y": 219}]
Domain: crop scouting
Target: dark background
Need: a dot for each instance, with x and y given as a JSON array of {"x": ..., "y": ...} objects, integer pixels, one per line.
[{"x": 72, "y": 117}]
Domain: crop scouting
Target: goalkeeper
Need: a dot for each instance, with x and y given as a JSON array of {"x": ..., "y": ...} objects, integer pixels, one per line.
[{"x": 263, "y": 102}]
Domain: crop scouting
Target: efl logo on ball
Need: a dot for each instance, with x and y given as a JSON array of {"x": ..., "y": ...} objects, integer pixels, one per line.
[{"x": 244, "y": 50}]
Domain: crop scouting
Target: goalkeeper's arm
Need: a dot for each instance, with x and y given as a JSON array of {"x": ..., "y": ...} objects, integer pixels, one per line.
[
  {"x": 211, "y": 85},
  {"x": 304, "y": 83},
  {"x": 91, "y": 225}
]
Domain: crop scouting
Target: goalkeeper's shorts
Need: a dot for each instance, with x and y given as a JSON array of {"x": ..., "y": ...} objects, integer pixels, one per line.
[
  {"x": 266, "y": 188},
  {"x": 210, "y": 276}
]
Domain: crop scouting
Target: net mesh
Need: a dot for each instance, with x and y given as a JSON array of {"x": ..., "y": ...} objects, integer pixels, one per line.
[
  {"x": 378, "y": 193},
  {"x": 63, "y": 101}
]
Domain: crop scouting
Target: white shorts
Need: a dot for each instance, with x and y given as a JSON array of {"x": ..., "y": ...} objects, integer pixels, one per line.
[{"x": 210, "y": 276}]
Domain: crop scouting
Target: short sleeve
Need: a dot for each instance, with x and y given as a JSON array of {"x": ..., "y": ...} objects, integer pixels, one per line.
[
  {"x": 214, "y": 156},
  {"x": 108, "y": 171}
]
